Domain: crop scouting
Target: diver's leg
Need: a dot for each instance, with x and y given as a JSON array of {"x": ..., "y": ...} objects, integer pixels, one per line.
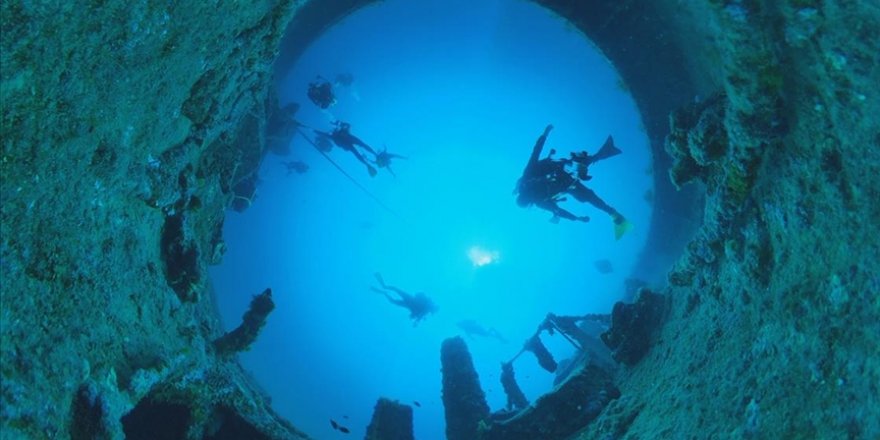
[
  {"x": 363, "y": 160},
  {"x": 395, "y": 301},
  {"x": 400, "y": 292},
  {"x": 362, "y": 144},
  {"x": 551, "y": 206},
  {"x": 584, "y": 194}
]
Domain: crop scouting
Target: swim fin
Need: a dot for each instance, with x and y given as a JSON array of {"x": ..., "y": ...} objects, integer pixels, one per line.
[
  {"x": 621, "y": 227},
  {"x": 608, "y": 150}
]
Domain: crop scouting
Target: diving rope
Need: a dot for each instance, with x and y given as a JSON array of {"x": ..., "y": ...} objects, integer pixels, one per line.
[{"x": 358, "y": 184}]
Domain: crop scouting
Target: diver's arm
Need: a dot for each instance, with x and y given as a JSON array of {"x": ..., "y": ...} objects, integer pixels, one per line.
[{"x": 539, "y": 145}]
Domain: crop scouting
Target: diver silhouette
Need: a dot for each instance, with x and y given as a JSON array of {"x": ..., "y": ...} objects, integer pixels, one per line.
[
  {"x": 342, "y": 137},
  {"x": 321, "y": 93},
  {"x": 545, "y": 181},
  {"x": 473, "y": 328},
  {"x": 383, "y": 159},
  {"x": 419, "y": 305}
]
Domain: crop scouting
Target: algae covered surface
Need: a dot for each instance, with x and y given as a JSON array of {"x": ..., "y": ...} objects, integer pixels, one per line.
[
  {"x": 774, "y": 326},
  {"x": 120, "y": 131}
]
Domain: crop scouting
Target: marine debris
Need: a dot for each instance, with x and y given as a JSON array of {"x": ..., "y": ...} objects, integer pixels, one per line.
[
  {"x": 463, "y": 400},
  {"x": 561, "y": 412},
  {"x": 579, "y": 395},
  {"x": 516, "y": 400},
  {"x": 633, "y": 325},
  {"x": 252, "y": 322},
  {"x": 391, "y": 420},
  {"x": 545, "y": 359}
]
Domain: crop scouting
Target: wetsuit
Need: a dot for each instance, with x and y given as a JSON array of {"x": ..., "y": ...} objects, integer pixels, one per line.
[
  {"x": 544, "y": 180},
  {"x": 348, "y": 142}
]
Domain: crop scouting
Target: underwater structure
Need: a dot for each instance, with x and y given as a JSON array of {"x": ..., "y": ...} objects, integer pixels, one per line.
[
  {"x": 391, "y": 421},
  {"x": 463, "y": 399},
  {"x": 128, "y": 129}
]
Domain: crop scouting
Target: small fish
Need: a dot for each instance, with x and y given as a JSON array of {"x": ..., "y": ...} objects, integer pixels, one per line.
[
  {"x": 343, "y": 429},
  {"x": 334, "y": 424},
  {"x": 603, "y": 266},
  {"x": 416, "y": 403},
  {"x": 296, "y": 166},
  {"x": 345, "y": 417}
]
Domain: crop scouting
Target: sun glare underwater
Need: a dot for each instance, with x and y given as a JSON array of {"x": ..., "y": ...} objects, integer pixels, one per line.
[{"x": 461, "y": 99}]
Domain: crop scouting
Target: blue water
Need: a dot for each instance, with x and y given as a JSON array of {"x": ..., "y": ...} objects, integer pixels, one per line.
[{"x": 464, "y": 97}]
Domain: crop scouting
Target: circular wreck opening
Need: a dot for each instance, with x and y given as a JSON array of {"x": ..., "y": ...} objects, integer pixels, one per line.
[{"x": 461, "y": 92}]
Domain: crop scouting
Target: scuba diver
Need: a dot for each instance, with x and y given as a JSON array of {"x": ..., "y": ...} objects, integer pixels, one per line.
[
  {"x": 472, "y": 328},
  {"x": 419, "y": 305},
  {"x": 342, "y": 137},
  {"x": 383, "y": 159},
  {"x": 544, "y": 181},
  {"x": 321, "y": 93}
]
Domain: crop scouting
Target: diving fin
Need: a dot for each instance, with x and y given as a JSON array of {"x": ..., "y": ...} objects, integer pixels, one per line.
[
  {"x": 621, "y": 227},
  {"x": 608, "y": 150},
  {"x": 379, "y": 278}
]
